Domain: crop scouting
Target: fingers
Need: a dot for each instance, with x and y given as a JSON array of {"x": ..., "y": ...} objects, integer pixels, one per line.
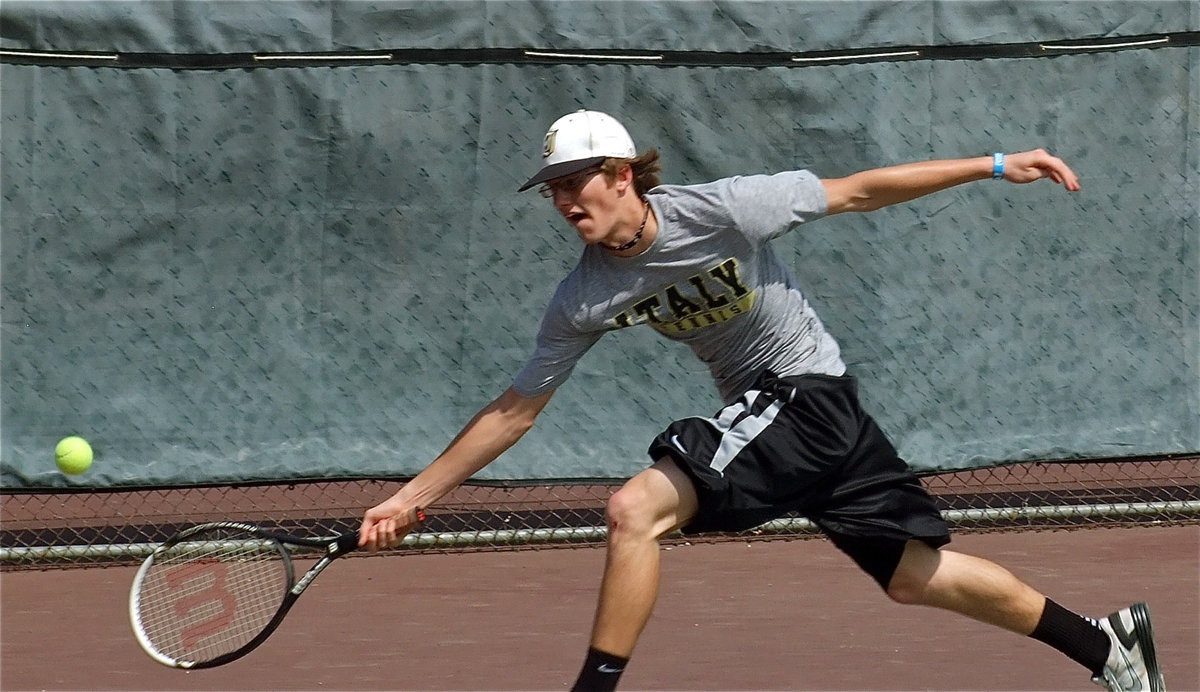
[
  {"x": 1029, "y": 166},
  {"x": 380, "y": 534},
  {"x": 382, "y": 529},
  {"x": 369, "y": 534},
  {"x": 1061, "y": 173}
]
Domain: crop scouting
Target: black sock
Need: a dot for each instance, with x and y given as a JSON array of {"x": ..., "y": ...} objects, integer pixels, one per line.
[
  {"x": 600, "y": 672},
  {"x": 1076, "y": 636}
]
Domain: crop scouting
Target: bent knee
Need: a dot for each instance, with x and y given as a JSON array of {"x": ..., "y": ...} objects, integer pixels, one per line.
[
  {"x": 646, "y": 506},
  {"x": 628, "y": 510},
  {"x": 905, "y": 590},
  {"x": 910, "y": 582}
]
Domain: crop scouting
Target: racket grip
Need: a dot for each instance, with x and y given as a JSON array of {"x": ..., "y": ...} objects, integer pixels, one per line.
[{"x": 346, "y": 542}]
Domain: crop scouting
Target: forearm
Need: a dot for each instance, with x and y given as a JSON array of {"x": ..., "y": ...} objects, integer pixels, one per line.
[
  {"x": 489, "y": 434},
  {"x": 881, "y": 187},
  {"x": 493, "y": 430}
]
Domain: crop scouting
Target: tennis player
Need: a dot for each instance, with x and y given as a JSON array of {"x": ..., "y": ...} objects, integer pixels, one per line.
[{"x": 695, "y": 263}]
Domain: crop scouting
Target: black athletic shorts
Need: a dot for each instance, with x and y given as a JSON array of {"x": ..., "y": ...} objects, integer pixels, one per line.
[{"x": 804, "y": 444}]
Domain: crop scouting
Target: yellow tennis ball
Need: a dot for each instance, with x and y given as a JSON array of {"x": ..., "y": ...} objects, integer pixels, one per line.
[{"x": 73, "y": 455}]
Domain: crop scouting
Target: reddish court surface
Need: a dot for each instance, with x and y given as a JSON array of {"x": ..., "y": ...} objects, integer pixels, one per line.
[{"x": 792, "y": 615}]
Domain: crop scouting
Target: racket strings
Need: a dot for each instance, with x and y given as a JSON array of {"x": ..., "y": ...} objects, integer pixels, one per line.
[{"x": 212, "y": 594}]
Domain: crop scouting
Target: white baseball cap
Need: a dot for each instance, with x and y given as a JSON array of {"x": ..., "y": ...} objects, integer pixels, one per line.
[{"x": 578, "y": 141}]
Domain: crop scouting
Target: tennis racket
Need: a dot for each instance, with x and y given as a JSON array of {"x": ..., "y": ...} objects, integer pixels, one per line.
[{"x": 213, "y": 593}]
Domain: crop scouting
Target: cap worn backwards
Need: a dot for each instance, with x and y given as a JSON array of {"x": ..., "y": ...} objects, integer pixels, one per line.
[{"x": 578, "y": 141}]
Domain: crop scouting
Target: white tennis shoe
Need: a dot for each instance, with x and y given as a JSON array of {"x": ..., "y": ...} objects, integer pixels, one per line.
[{"x": 1132, "y": 665}]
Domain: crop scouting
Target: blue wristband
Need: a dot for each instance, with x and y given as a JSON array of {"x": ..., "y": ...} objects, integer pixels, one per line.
[{"x": 998, "y": 166}]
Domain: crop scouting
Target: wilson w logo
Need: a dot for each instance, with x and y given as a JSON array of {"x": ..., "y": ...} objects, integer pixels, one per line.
[{"x": 214, "y": 595}]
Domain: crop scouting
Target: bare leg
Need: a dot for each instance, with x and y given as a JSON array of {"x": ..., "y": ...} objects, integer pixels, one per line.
[
  {"x": 651, "y": 504},
  {"x": 968, "y": 585}
]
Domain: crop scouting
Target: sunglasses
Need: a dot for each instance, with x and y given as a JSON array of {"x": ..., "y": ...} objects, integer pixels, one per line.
[{"x": 569, "y": 184}]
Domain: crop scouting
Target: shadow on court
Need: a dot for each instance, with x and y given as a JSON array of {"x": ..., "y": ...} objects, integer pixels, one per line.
[{"x": 792, "y": 615}]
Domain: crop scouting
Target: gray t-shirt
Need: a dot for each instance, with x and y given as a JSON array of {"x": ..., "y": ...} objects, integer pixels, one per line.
[{"x": 709, "y": 280}]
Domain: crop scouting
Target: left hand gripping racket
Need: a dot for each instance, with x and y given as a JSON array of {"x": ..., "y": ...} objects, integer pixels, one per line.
[{"x": 213, "y": 593}]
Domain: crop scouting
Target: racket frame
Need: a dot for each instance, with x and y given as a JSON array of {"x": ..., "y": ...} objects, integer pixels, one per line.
[{"x": 333, "y": 547}]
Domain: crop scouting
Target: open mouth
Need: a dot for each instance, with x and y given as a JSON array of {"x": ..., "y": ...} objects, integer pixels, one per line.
[{"x": 575, "y": 217}]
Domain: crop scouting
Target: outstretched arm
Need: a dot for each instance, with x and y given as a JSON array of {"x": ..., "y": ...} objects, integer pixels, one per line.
[
  {"x": 881, "y": 187},
  {"x": 493, "y": 430}
]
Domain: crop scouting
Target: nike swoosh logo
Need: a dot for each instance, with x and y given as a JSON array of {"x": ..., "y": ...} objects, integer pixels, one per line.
[
  {"x": 1126, "y": 640},
  {"x": 1127, "y": 637},
  {"x": 678, "y": 445},
  {"x": 605, "y": 668}
]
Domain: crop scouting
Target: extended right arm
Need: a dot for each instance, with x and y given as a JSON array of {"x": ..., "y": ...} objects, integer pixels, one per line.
[{"x": 492, "y": 431}]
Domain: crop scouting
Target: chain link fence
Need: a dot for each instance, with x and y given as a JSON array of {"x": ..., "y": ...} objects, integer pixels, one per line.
[{"x": 95, "y": 527}]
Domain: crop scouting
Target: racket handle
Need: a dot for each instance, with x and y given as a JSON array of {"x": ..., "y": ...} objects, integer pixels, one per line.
[{"x": 345, "y": 543}]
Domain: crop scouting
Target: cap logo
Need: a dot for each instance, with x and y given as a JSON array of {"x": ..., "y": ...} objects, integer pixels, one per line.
[{"x": 548, "y": 144}]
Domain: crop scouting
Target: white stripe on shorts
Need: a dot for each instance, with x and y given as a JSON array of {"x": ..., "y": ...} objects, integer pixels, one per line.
[{"x": 734, "y": 438}]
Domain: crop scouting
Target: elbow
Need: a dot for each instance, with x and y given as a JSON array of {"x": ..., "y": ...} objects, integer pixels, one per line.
[
  {"x": 518, "y": 413},
  {"x": 522, "y": 425},
  {"x": 514, "y": 428},
  {"x": 864, "y": 203},
  {"x": 850, "y": 194},
  {"x": 855, "y": 203}
]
